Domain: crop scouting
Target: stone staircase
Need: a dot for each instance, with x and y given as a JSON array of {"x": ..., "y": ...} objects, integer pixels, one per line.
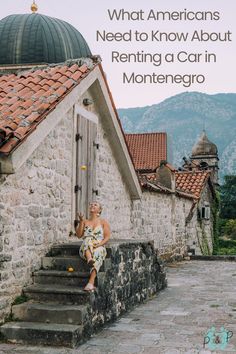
[{"x": 60, "y": 313}]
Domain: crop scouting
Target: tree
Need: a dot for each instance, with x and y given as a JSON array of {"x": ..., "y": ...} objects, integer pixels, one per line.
[
  {"x": 228, "y": 198},
  {"x": 230, "y": 229}
]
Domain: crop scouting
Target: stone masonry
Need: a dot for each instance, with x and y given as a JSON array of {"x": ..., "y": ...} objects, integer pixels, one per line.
[
  {"x": 60, "y": 313},
  {"x": 36, "y": 206}
]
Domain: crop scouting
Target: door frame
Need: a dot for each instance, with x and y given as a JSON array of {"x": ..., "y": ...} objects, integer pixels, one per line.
[{"x": 78, "y": 110}]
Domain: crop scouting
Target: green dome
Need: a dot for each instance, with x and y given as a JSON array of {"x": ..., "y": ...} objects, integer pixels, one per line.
[{"x": 36, "y": 39}]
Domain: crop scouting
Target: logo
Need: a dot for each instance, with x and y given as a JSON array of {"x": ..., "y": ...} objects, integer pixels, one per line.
[{"x": 217, "y": 340}]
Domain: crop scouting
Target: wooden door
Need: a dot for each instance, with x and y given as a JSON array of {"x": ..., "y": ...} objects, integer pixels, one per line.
[{"x": 86, "y": 146}]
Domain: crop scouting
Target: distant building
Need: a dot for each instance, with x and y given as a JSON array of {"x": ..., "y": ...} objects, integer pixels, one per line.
[
  {"x": 204, "y": 158},
  {"x": 196, "y": 181},
  {"x": 147, "y": 150}
]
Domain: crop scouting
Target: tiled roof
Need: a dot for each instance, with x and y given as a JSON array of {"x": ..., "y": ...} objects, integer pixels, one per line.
[
  {"x": 147, "y": 149},
  {"x": 26, "y": 99},
  {"x": 187, "y": 182},
  {"x": 191, "y": 182}
]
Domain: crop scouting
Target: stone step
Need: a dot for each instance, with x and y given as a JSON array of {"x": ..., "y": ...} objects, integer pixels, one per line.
[
  {"x": 43, "y": 333},
  {"x": 62, "y": 263},
  {"x": 61, "y": 277},
  {"x": 71, "y": 249},
  {"x": 58, "y": 294},
  {"x": 50, "y": 313}
]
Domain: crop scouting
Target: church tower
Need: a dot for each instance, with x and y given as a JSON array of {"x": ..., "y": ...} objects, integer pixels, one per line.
[{"x": 205, "y": 156}]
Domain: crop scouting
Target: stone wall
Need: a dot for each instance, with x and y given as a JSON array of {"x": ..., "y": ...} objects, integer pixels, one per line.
[
  {"x": 131, "y": 274},
  {"x": 113, "y": 193},
  {"x": 36, "y": 207},
  {"x": 136, "y": 273},
  {"x": 200, "y": 230},
  {"x": 161, "y": 217},
  {"x": 35, "y": 211}
]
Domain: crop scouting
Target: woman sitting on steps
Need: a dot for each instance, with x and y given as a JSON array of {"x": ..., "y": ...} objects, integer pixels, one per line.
[{"x": 96, "y": 233}]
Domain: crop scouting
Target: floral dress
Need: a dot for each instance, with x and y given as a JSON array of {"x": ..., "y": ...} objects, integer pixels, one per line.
[{"x": 91, "y": 237}]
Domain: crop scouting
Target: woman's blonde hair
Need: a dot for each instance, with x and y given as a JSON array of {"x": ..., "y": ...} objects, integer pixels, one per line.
[{"x": 100, "y": 205}]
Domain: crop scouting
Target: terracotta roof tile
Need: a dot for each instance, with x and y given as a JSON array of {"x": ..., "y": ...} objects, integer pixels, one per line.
[
  {"x": 63, "y": 79},
  {"x": 147, "y": 149},
  {"x": 26, "y": 98},
  {"x": 7, "y": 148},
  {"x": 73, "y": 68},
  {"x": 57, "y": 76},
  {"x": 187, "y": 182},
  {"x": 83, "y": 68},
  {"x": 32, "y": 117},
  {"x": 76, "y": 75},
  {"x": 69, "y": 83},
  {"x": 191, "y": 182},
  {"x": 61, "y": 90}
]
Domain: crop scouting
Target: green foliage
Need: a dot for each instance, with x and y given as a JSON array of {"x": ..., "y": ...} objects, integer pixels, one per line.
[
  {"x": 227, "y": 243},
  {"x": 221, "y": 226},
  {"x": 227, "y": 228},
  {"x": 215, "y": 215},
  {"x": 230, "y": 229},
  {"x": 227, "y": 220},
  {"x": 227, "y": 251},
  {"x": 228, "y": 198},
  {"x": 227, "y": 247},
  {"x": 20, "y": 299}
]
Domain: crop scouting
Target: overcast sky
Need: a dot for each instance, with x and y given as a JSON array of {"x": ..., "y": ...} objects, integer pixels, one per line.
[{"x": 90, "y": 16}]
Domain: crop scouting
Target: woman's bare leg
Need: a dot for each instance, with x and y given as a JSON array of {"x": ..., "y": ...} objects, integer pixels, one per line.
[
  {"x": 92, "y": 276},
  {"x": 88, "y": 254}
]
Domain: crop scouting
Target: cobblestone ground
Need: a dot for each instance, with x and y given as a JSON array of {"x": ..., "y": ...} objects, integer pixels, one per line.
[{"x": 200, "y": 294}]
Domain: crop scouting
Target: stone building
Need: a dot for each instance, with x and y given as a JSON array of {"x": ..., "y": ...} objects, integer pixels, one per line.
[
  {"x": 204, "y": 157},
  {"x": 187, "y": 195},
  {"x": 62, "y": 145},
  {"x": 148, "y": 150}
]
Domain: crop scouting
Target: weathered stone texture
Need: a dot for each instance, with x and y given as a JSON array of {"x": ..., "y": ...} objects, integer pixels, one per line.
[
  {"x": 113, "y": 192},
  {"x": 36, "y": 206},
  {"x": 157, "y": 216},
  {"x": 200, "y": 231},
  {"x": 135, "y": 274},
  {"x": 35, "y": 209},
  {"x": 161, "y": 217}
]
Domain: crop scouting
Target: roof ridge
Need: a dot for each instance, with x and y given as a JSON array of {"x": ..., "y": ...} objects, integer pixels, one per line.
[
  {"x": 145, "y": 133},
  {"x": 192, "y": 172}
]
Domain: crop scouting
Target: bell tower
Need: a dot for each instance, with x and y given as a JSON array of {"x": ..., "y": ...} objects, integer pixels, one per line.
[{"x": 205, "y": 156}]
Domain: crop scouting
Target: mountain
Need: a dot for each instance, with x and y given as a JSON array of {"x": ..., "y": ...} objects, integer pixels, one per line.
[{"x": 183, "y": 117}]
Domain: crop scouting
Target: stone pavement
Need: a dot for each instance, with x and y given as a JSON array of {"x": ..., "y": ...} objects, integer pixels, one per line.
[{"x": 200, "y": 294}]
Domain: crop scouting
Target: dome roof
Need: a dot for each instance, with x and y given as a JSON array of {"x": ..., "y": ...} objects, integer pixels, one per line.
[
  {"x": 204, "y": 146},
  {"x": 36, "y": 39}
]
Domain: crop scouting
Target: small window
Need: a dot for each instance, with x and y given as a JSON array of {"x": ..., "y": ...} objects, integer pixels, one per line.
[
  {"x": 203, "y": 212},
  {"x": 206, "y": 212},
  {"x": 203, "y": 165}
]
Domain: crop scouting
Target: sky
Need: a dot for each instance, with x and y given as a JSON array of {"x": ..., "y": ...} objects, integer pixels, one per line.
[{"x": 90, "y": 17}]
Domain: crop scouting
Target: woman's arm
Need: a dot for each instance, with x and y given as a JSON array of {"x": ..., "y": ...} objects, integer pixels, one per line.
[
  {"x": 106, "y": 232},
  {"x": 80, "y": 229}
]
